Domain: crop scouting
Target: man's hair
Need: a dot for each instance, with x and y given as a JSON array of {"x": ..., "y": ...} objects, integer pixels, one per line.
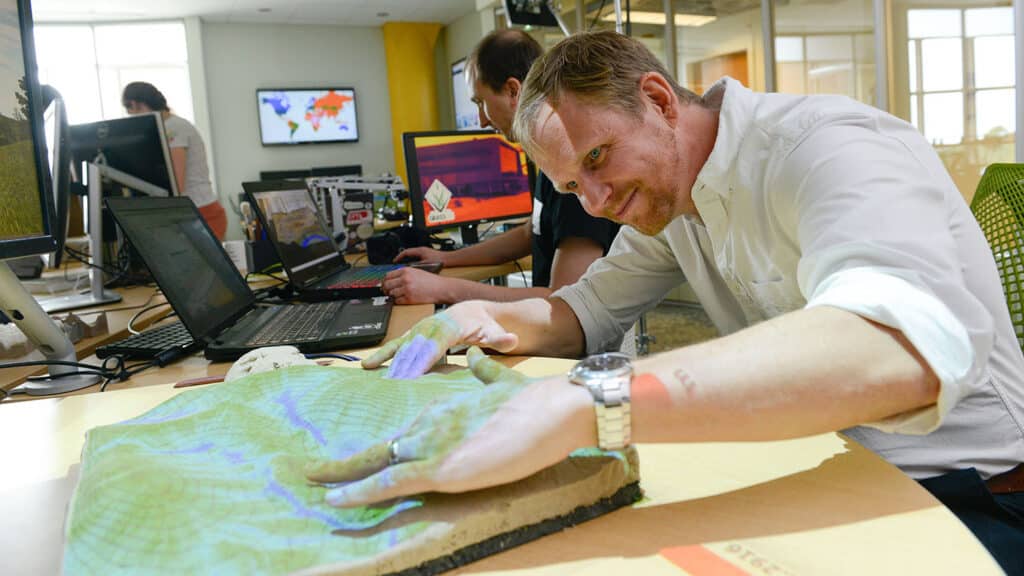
[
  {"x": 144, "y": 93},
  {"x": 600, "y": 68},
  {"x": 501, "y": 55}
]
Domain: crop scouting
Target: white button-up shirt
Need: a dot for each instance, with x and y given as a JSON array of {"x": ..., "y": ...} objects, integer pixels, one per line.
[{"x": 820, "y": 200}]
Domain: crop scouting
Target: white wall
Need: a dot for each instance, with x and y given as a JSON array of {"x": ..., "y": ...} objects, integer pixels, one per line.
[
  {"x": 457, "y": 40},
  {"x": 239, "y": 58}
]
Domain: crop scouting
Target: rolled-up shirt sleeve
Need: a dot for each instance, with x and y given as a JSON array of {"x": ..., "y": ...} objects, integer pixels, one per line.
[
  {"x": 634, "y": 277},
  {"x": 876, "y": 240}
]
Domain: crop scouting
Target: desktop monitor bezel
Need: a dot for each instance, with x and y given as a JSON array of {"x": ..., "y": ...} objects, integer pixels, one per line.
[
  {"x": 355, "y": 114},
  {"x": 44, "y": 242},
  {"x": 83, "y": 154},
  {"x": 416, "y": 191}
]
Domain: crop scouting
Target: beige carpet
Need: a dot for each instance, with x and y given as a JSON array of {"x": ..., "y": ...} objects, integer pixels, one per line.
[{"x": 674, "y": 324}]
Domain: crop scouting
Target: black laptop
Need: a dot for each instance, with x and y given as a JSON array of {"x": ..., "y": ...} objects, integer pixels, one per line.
[
  {"x": 213, "y": 300},
  {"x": 315, "y": 267}
]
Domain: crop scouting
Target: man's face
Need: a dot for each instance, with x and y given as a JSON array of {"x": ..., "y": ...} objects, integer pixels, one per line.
[
  {"x": 629, "y": 170},
  {"x": 495, "y": 108}
]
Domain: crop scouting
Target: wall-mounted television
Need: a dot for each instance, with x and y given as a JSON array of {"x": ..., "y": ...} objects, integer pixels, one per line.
[{"x": 307, "y": 115}]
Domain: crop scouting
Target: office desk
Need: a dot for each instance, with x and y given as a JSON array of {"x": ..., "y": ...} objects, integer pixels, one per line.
[
  {"x": 118, "y": 315},
  {"x": 402, "y": 318},
  {"x": 819, "y": 505},
  {"x": 194, "y": 366}
]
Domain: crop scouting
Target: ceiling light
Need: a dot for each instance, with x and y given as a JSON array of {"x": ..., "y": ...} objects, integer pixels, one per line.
[{"x": 659, "y": 18}]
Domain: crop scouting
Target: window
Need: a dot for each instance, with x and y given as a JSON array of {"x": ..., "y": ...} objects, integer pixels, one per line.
[
  {"x": 827, "y": 64},
  {"x": 90, "y": 64},
  {"x": 961, "y": 77}
]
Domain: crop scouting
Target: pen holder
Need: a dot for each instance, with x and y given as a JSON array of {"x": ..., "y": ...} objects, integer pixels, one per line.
[{"x": 260, "y": 254}]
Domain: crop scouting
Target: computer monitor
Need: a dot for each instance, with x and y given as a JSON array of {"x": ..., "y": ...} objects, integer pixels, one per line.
[
  {"x": 285, "y": 174},
  {"x": 464, "y": 178},
  {"x": 135, "y": 145},
  {"x": 343, "y": 170},
  {"x": 467, "y": 113},
  {"x": 316, "y": 171},
  {"x": 26, "y": 200},
  {"x": 56, "y": 130}
]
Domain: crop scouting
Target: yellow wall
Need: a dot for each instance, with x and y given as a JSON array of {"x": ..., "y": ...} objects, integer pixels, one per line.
[{"x": 412, "y": 81}]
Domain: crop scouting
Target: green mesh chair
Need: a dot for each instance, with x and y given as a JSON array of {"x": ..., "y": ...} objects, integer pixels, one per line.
[{"x": 998, "y": 206}]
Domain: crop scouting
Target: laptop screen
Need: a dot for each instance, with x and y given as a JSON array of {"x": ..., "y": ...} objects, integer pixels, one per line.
[
  {"x": 293, "y": 223},
  {"x": 187, "y": 261}
]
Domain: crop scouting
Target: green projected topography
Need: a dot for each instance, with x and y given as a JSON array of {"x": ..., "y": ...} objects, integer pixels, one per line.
[{"x": 212, "y": 480}]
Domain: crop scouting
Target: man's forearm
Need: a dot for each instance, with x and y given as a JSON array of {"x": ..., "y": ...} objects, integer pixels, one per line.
[
  {"x": 545, "y": 326},
  {"x": 780, "y": 379}
]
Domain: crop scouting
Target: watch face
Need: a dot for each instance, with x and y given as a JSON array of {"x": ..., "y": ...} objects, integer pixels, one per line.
[{"x": 605, "y": 365}]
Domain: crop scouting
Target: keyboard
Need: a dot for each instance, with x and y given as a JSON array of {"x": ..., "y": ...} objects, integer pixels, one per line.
[
  {"x": 296, "y": 324},
  {"x": 150, "y": 343},
  {"x": 364, "y": 276}
]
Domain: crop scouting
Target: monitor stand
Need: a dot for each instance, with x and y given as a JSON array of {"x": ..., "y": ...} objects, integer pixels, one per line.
[
  {"x": 97, "y": 295},
  {"x": 24, "y": 311},
  {"x": 468, "y": 234}
]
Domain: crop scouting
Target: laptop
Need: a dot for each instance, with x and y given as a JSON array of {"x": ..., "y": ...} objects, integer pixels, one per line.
[
  {"x": 213, "y": 300},
  {"x": 315, "y": 267}
]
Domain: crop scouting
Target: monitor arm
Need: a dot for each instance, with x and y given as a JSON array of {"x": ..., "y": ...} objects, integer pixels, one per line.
[{"x": 41, "y": 330}]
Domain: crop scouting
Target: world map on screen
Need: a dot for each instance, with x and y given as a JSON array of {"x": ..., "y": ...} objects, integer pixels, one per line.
[
  {"x": 297, "y": 116},
  {"x": 211, "y": 481}
]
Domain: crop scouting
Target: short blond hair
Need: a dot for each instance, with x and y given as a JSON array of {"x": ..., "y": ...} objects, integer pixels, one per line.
[{"x": 602, "y": 68}]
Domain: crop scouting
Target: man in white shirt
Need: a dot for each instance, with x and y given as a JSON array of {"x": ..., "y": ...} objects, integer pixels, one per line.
[{"x": 852, "y": 286}]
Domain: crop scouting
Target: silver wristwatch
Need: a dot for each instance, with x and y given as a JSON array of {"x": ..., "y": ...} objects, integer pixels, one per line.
[{"x": 607, "y": 377}]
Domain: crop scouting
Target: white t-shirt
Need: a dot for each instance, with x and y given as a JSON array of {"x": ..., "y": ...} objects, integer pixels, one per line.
[
  {"x": 820, "y": 200},
  {"x": 182, "y": 134}
]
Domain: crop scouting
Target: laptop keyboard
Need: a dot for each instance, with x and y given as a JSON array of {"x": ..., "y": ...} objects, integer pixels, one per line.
[
  {"x": 365, "y": 276},
  {"x": 291, "y": 324},
  {"x": 149, "y": 343}
]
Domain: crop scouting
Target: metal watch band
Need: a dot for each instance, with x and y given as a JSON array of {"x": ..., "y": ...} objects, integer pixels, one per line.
[
  {"x": 613, "y": 419},
  {"x": 607, "y": 377}
]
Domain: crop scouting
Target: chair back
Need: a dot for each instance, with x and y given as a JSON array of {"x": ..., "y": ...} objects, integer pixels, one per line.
[{"x": 998, "y": 206}]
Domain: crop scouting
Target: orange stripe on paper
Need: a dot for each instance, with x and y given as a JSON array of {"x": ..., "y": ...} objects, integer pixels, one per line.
[{"x": 699, "y": 561}]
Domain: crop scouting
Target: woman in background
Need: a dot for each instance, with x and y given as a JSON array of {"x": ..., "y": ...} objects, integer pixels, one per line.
[{"x": 188, "y": 153}]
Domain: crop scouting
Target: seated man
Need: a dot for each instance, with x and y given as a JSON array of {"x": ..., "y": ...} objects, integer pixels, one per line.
[
  {"x": 825, "y": 240},
  {"x": 563, "y": 239}
]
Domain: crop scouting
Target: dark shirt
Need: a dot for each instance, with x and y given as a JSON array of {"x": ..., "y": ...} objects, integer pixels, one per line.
[{"x": 560, "y": 217}]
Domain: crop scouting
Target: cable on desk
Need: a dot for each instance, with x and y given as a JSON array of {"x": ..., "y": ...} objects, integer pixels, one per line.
[
  {"x": 156, "y": 292},
  {"x": 347, "y": 357},
  {"x": 111, "y": 369},
  {"x": 131, "y": 322},
  {"x": 521, "y": 273}
]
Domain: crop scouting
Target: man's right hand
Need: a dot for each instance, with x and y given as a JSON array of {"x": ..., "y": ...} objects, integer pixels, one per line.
[
  {"x": 422, "y": 254},
  {"x": 427, "y": 342},
  {"x": 409, "y": 285}
]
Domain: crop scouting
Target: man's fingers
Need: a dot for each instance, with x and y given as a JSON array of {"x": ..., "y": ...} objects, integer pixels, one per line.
[
  {"x": 392, "y": 482},
  {"x": 380, "y": 356},
  {"x": 504, "y": 342},
  {"x": 355, "y": 467},
  {"x": 414, "y": 358},
  {"x": 488, "y": 370}
]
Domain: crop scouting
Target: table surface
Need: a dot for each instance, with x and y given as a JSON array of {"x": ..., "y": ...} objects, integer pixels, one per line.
[
  {"x": 815, "y": 505},
  {"x": 818, "y": 505}
]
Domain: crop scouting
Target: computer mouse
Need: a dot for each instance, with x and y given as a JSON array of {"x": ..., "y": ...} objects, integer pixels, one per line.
[{"x": 407, "y": 260}]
